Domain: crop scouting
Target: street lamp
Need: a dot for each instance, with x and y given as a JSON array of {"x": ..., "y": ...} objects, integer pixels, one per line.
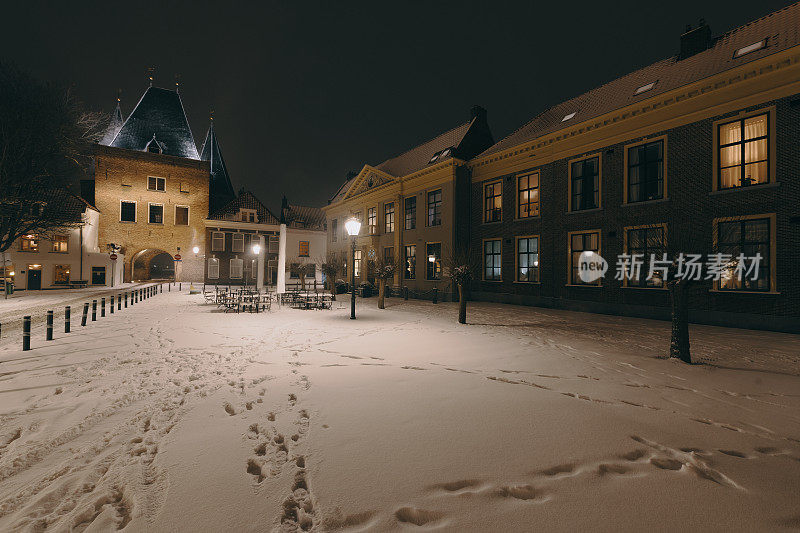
[
  {"x": 353, "y": 226},
  {"x": 196, "y": 250}
]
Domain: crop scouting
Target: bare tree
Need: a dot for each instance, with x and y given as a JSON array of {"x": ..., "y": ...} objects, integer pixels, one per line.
[
  {"x": 303, "y": 268},
  {"x": 460, "y": 269},
  {"x": 45, "y": 145},
  {"x": 384, "y": 270},
  {"x": 331, "y": 266}
]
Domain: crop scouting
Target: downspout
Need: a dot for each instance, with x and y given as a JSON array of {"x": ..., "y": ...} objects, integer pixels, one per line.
[{"x": 81, "y": 250}]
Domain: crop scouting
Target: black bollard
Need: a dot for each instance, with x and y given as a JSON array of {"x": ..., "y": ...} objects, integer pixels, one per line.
[
  {"x": 94, "y": 310},
  {"x": 161, "y": 288},
  {"x": 50, "y": 325},
  {"x": 66, "y": 319},
  {"x": 405, "y": 293},
  {"x": 26, "y": 333},
  {"x": 102, "y": 307},
  {"x": 126, "y": 299},
  {"x": 85, "y": 312},
  {"x": 169, "y": 287},
  {"x": 119, "y": 302},
  {"x": 111, "y": 307},
  {"x": 180, "y": 287},
  {"x": 436, "y": 295}
]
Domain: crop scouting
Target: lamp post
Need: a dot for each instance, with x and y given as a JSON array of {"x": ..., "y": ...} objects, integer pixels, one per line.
[
  {"x": 353, "y": 227},
  {"x": 256, "y": 251}
]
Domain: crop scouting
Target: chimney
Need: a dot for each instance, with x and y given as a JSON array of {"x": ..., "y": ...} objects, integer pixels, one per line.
[
  {"x": 478, "y": 112},
  {"x": 695, "y": 40}
]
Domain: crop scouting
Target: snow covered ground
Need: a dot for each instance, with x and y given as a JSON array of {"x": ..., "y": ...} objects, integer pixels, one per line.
[{"x": 173, "y": 416}]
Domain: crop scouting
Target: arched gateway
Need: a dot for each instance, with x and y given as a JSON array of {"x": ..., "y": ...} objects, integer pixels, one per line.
[{"x": 152, "y": 263}]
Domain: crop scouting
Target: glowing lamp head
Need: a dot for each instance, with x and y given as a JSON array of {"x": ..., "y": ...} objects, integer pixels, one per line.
[
  {"x": 353, "y": 226},
  {"x": 431, "y": 258},
  {"x": 256, "y": 249},
  {"x": 196, "y": 250}
]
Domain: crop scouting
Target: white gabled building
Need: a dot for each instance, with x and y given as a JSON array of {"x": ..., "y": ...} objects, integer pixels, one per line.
[{"x": 62, "y": 258}]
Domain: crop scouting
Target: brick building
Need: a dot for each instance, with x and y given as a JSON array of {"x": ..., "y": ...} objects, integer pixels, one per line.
[
  {"x": 152, "y": 188},
  {"x": 412, "y": 207},
  {"x": 695, "y": 153}
]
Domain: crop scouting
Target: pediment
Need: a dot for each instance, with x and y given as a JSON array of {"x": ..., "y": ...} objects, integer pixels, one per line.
[{"x": 368, "y": 179}]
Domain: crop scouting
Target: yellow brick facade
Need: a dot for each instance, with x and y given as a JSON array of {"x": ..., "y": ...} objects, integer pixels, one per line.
[{"x": 122, "y": 175}]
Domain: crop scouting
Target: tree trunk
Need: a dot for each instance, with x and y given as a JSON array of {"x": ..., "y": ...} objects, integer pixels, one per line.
[
  {"x": 302, "y": 282},
  {"x": 381, "y": 293},
  {"x": 462, "y": 305},
  {"x": 679, "y": 343},
  {"x": 332, "y": 287}
]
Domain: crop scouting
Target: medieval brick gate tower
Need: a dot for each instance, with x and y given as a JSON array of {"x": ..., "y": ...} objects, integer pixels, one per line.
[{"x": 152, "y": 189}]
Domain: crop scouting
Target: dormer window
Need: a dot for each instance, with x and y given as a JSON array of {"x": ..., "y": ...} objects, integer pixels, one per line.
[
  {"x": 441, "y": 154},
  {"x": 750, "y": 48},
  {"x": 568, "y": 117},
  {"x": 154, "y": 147},
  {"x": 644, "y": 88},
  {"x": 248, "y": 215}
]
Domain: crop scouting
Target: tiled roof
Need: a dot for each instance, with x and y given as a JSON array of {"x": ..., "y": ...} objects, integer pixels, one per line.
[
  {"x": 159, "y": 115},
  {"x": 220, "y": 189},
  {"x": 299, "y": 216},
  {"x": 70, "y": 207},
  {"x": 419, "y": 156},
  {"x": 245, "y": 200},
  {"x": 781, "y": 29},
  {"x": 463, "y": 141}
]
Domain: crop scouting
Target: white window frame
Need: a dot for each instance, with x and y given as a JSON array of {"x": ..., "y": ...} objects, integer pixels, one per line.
[
  {"x": 240, "y": 265},
  {"x": 149, "y": 206},
  {"x": 213, "y": 262},
  {"x": 214, "y": 236},
  {"x": 234, "y": 240},
  {"x": 188, "y": 214},
  {"x": 135, "y": 211},
  {"x": 162, "y": 180}
]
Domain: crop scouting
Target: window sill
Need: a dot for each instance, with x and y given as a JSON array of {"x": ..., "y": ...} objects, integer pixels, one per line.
[
  {"x": 127, "y": 222},
  {"x": 665, "y": 289},
  {"x": 492, "y": 280},
  {"x": 493, "y": 223},
  {"x": 528, "y": 282},
  {"x": 717, "y": 291},
  {"x": 29, "y": 251},
  {"x": 156, "y": 223},
  {"x": 592, "y": 210},
  {"x": 587, "y": 285},
  {"x": 523, "y": 219},
  {"x": 646, "y": 202},
  {"x": 760, "y": 186},
  {"x": 155, "y": 190},
  {"x": 64, "y": 253}
]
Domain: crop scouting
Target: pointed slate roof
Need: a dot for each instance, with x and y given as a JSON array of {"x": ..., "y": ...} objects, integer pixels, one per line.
[
  {"x": 159, "y": 112},
  {"x": 220, "y": 188},
  {"x": 779, "y": 31},
  {"x": 114, "y": 125}
]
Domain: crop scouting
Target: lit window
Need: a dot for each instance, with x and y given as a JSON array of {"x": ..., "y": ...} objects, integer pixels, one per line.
[
  {"x": 750, "y": 48},
  {"x": 372, "y": 220},
  {"x": 213, "y": 268},
  {"x": 237, "y": 266},
  {"x": 238, "y": 242},
  {"x": 644, "y": 88},
  {"x": 528, "y": 259},
  {"x": 588, "y": 241},
  {"x": 127, "y": 211},
  {"x": 492, "y": 261},
  {"x": 568, "y": 117},
  {"x": 60, "y": 243},
  {"x": 388, "y": 255},
  {"x": 493, "y": 201},
  {"x": 156, "y": 184},
  {"x": 411, "y": 261},
  {"x": 334, "y": 230},
  {"x": 61, "y": 274},
  {"x": 433, "y": 260},
  {"x": 181, "y": 215},
  {"x": 155, "y": 214},
  {"x": 29, "y": 243},
  {"x": 744, "y": 159},
  {"x": 303, "y": 251},
  {"x": 528, "y": 195},
  {"x": 218, "y": 241},
  {"x": 357, "y": 263}
]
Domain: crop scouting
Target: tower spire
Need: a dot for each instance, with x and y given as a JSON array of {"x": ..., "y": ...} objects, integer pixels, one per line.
[
  {"x": 177, "y": 82},
  {"x": 150, "y": 74}
]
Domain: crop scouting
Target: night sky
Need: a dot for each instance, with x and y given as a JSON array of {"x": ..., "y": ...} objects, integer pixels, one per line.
[{"x": 302, "y": 92}]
